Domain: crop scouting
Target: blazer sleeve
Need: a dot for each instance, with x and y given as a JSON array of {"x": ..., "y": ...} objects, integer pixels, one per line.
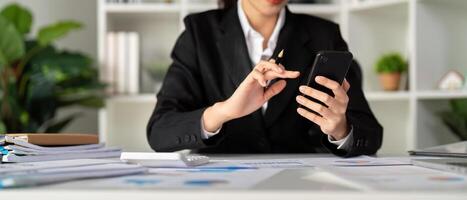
[
  {"x": 175, "y": 123},
  {"x": 367, "y": 132}
]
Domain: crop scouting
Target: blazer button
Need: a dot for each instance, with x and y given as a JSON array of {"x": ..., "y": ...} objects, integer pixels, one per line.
[
  {"x": 194, "y": 138},
  {"x": 187, "y": 138},
  {"x": 358, "y": 144},
  {"x": 179, "y": 140}
]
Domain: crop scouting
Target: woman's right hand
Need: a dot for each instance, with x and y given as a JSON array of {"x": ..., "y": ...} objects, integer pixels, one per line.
[{"x": 252, "y": 93}]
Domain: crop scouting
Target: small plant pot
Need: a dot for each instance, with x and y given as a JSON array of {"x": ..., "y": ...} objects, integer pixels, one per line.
[{"x": 390, "y": 81}]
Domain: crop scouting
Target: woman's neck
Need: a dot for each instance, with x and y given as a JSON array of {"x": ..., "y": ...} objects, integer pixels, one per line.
[{"x": 263, "y": 24}]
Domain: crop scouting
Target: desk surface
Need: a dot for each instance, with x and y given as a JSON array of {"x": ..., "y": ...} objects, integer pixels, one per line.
[{"x": 287, "y": 184}]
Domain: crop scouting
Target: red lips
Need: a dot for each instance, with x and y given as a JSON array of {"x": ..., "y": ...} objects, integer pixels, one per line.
[{"x": 276, "y": 2}]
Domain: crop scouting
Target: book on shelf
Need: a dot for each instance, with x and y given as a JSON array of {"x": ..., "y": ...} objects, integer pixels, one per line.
[
  {"x": 121, "y": 70},
  {"x": 124, "y": 1}
]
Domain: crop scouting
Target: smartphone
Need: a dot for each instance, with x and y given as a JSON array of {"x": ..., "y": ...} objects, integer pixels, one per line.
[{"x": 331, "y": 64}]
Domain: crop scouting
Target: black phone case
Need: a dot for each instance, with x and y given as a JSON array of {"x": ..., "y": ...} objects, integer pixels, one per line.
[{"x": 331, "y": 64}]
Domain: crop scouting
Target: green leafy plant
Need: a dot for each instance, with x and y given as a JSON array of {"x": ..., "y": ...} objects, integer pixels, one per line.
[
  {"x": 158, "y": 71},
  {"x": 391, "y": 63},
  {"x": 37, "y": 79},
  {"x": 456, "y": 118}
]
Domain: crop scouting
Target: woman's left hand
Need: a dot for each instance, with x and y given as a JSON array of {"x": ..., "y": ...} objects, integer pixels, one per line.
[{"x": 333, "y": 120}]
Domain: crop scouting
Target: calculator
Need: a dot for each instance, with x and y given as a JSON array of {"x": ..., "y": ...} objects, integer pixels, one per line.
[{"x": 164, "y": 159}]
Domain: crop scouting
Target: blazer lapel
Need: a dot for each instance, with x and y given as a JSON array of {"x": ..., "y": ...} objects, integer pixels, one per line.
[
  {"x": 234, "y": 55},
  {"x": 232, "y": 47},
  {"x": 298, "y": 56}
]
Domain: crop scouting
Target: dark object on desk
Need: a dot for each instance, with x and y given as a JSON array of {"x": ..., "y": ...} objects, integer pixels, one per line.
[
  {"x": 210, "y": 60},
  {"x": 330, "y": 64},
  {"x": 455, "y": 165},
  {"x": 458, "y": 149}
]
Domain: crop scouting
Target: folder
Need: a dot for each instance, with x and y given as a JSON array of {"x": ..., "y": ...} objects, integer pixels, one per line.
[{"x": 55, "y": 139}]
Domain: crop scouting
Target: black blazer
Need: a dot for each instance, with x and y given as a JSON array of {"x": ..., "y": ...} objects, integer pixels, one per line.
[{"x": 210, "y": 60}]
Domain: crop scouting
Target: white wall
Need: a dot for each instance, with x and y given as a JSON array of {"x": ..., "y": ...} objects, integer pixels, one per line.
[{"x": 85, "y": 40}]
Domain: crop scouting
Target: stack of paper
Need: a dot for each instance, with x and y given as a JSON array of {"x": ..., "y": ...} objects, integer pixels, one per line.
[
  {"x": 15, "y": 150},
  {"x": 47, "y": 172}
]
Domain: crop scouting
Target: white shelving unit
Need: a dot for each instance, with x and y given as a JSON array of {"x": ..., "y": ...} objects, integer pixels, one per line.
[{"x": 431, "y": 33}]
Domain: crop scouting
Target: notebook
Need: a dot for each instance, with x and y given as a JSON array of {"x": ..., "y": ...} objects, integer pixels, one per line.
[{"x": 458, "y": 149}]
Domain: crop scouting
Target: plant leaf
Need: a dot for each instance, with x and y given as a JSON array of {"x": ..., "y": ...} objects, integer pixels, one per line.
[
  {"x": 456, "y": 123},
  {"x": 2, "y": 127},
  {"x": 55, "y": 31},
  {"x": 40, "y": 100},
  {"x": 57, "y": 126},
  {"x": 11, "y": 42},
  {"x": 91, "y": 101},
  {"x": 60, "y": 67},
  {"x": 460, "y": 106},
  {"x": 19, "y": 16}
]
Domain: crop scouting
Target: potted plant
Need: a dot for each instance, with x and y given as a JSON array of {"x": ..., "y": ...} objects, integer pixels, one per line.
[
  {"x": 37, "y": 79},
  {"x": 390, "y": 67},
  {"x": 456, "y": 118}
]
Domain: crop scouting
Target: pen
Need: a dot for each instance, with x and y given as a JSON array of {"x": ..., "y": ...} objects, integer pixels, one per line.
[
  {"x": 280, "y": 57},
  {"x": 277, "y": 61}
]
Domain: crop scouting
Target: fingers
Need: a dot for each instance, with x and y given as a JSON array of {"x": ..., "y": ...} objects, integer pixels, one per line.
[
  {"x": 263, "y": 66},
  {"x": 321, "y": 96},
  {"x": 330, "y": 117},
  {"x": 274, "y": 89},
  {"x": 259, "y": 77},
  {"x": 320, "y": 109},
  {"x": 336, "y": 88},
  {"x": 269, "y": 75},
  {"x": 311, "y": 116}
]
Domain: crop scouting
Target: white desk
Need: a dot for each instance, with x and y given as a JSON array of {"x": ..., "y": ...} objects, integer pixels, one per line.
[{"x": 288, "y": 184}]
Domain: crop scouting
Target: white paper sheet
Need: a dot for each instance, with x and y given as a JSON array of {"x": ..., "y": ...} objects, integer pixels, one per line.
[
  {"x": 314, "y": 161},
  {"x": 33, "y": 167},
  {"x": 38, "y": 158},
  {"x": 48, "y": 176},
  {"x": 28, "y": 151},
  {"x": 182, "y": 179},
  {"x": 261, "y": 163},
  {"x": 355, "y": 161},
  {"x": 400, "y": 178}
]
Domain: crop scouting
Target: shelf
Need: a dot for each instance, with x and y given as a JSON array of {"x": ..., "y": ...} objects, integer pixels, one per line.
[
  {"x": 445, "y": 22},
  {"x": 143, "y": 8},
  {"x": 404, "y": 95},
  {"x": 200, "y": 7},
  {"x": 138, "y": 98},
  {"x": 442, "y": 94},
  {"x": 371, "y": 5},
  {"x": 387, "y": 96},
  {"x": 317, "y": 9}
]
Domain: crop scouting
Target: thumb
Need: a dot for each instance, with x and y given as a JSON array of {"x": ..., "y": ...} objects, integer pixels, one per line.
[{"x": 274, "y": 89}]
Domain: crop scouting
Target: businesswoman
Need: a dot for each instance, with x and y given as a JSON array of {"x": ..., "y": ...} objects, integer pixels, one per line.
[{"x": 224, "y": 94}]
